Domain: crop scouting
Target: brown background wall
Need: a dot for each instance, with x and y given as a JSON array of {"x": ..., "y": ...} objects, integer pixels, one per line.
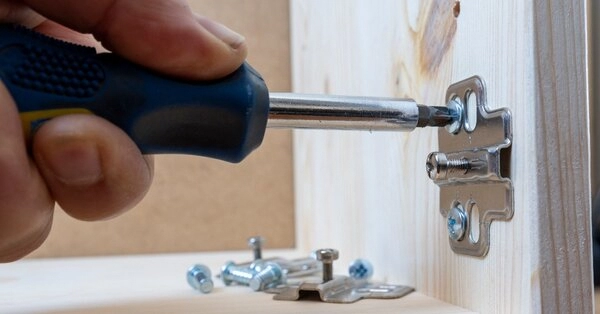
[{"x": 197, "y": 204}]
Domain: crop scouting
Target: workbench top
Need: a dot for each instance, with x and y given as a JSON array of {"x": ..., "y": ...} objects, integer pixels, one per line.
[{"x": 157, "y": 284}]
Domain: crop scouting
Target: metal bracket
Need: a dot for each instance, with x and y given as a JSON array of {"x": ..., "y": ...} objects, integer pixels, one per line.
[
  {"x": 341, "y": 289},
  {"x": 472, "y": 168}
]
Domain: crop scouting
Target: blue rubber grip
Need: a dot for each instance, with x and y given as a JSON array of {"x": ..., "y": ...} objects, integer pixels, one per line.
[{"x": 223, "y": 119}]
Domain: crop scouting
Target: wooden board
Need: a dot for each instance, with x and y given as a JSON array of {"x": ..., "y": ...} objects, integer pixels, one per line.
[
  {"x": 368, "y": 194},
  {"x": 594, "y": 23},
  {"x": 192, "y": 199},
  {"x": 157, "y": 284}
]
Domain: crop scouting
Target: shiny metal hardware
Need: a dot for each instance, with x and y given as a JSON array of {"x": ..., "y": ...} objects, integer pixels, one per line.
[
  {"x": 456, "y": 221},
  {"x": 300, "y": 267},
  {"x": 456, "y": 109},
  {"x": 269, "y": 275},
  {"x": 256, "y": 244},
  {"x": 360, "y": 269},
  {"x": 472, "y": 169},
  {"x": 244, "y": 273},
  {"x": 341, "y": 289},
  {"x": 338, "y": 289},
  {"x": 327, "y": 256},
  {"x": 199, "y": 278},
  {"x": 235, "y": 274},
  {"x": 303, "y": 111}
]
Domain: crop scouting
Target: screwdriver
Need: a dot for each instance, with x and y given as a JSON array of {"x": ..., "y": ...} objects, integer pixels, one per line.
[{"x": 223, "y": 119}]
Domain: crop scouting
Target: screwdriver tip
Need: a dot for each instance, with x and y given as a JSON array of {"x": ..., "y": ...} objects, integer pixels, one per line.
[{"x": 437, "y": 116}]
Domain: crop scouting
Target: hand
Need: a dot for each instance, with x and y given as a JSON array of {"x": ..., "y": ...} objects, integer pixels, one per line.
[{"x": 84, "y": 163}]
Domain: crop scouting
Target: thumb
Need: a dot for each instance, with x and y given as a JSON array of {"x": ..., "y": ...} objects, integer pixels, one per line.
[{"x": 162, "y": 35}]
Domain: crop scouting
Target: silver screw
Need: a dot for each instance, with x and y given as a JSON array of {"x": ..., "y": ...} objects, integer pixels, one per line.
[
  {"x": 360, "y": 269},
  {"x": 199, "y": 278},
  {"x": 438, "y": 166},
  {"x": 457, "y": 222},
  {"x": 456, "y": 109},
  {"x": 256, "y": 243},
  {"x": 270, "y": 274},
  {"x": 327, "y": 256},
  {"x": 232, "y": 273}
]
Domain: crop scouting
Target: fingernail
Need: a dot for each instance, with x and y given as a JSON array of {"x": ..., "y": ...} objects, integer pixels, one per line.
[
  {"x": 75, "y": 163},
  {"x": 233, "y": 39}
]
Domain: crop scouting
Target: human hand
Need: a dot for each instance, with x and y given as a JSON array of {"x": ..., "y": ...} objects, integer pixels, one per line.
[{"x": 82, "y": 162}]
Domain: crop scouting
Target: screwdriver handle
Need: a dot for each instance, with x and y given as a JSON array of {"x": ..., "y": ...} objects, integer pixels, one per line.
[{"x": 223, "y": 119}]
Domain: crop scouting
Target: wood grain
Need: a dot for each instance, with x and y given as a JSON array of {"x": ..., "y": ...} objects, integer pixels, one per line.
[
  {"x": 594, "y": 24},
  {"x": 157, "y": 284},
  {"x": 563, "y": 145},
  {"x": 197, "y": 204},
  {"x": 368, "y": 194}
]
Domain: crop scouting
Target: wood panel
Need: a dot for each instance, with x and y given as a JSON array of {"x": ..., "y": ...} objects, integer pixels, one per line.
[
  {"x": 157, "y": 284},
  {"x": 594, "y": 13},
  {"x": 197, "y": 204},
  {"x": 368, "y": 194}
]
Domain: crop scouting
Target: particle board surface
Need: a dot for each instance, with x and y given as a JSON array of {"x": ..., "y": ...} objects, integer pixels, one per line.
[{"x": 197, "y": 204}]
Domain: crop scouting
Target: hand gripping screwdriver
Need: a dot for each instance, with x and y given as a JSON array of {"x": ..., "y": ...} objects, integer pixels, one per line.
[{"x": 223, "y": 119}]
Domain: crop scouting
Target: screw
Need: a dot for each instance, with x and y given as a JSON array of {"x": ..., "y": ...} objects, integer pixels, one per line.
[
  {"x": 327, "y": 256},
  {"x": 360, "y": 269},
  {"x": 232, "y": 273},
  {"x": 438, "y": 166},
  {"x": 270, "y": 274},
  {"x": 456, "y": 222},
  {"x": 256, "y": 243},
  {"x": 199, "y": 278},
  {"x": 456, "y": 109}
]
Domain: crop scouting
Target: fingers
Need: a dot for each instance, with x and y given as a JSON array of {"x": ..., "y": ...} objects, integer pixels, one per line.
[
  {"x": 12, "y": 11},
  {"x": 92, "y": 168},
  {"x": 25, "y": 204},
  {"x": 159, "y": 34}
]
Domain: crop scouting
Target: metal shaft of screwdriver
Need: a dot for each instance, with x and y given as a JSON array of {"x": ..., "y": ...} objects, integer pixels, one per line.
[{"x": 289, "y": 110}]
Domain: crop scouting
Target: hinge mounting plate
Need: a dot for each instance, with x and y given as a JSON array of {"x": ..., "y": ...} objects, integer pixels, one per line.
[{"x": 472, "y": 168}]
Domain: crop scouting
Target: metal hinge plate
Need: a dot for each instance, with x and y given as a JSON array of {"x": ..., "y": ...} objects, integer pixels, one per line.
[
  {"x": 341, "y": 289},
  {"x": 472, "y": 168}
]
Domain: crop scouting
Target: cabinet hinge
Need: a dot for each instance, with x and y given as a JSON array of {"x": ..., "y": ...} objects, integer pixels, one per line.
[{"x": 472, "y": 168}]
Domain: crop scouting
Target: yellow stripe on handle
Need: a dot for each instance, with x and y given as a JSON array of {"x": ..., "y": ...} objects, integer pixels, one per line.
[{"x": 28, "y": 118}]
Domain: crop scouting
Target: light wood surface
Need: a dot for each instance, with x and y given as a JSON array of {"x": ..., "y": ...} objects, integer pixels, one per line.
[
  {"x": 594, "y": 23},
  {"x": 197, "y": 204},
  {"x": 368, "y": 194},
  {"x": 157, "y": 284},
  {"x": 563, "y": 144}
]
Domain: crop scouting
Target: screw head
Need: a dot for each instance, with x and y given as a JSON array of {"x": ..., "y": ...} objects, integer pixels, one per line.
[
  {"x": 437, "y": 166},
  {"x": 456, "y": 222},
  {"x": 199, "y": 278},
  {"x": 225, "y": 271},
  {"x": 360, "y": 269},
  {"x": 327, "y": 255},
  {"x": 271, "y": 274},
  {"x": 456, "y": 108},
  {"x": 256, "y": 242}
]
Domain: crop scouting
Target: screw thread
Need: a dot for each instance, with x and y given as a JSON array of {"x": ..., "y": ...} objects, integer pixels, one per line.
[
  {"x": 327, "y": 272},
  {"x": 198, "y": 277},
  {"x": 256, "y": 243},
  {"x": 239, "y": 275},
  {"x": 270, "y": 275},
  {"x": 456, "y": 165},
  {"x": 257, "y": 253}
]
